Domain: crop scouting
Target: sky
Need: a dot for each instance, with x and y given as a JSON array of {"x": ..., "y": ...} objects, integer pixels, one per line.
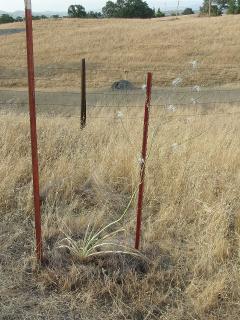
[{"x": 62, "y": 5}]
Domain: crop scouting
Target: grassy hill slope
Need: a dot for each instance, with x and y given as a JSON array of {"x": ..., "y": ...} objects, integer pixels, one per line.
[{"x": 167, "y": 45}]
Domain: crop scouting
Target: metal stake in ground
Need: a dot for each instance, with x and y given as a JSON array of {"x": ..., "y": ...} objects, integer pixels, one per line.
[
  {"x": 33, "y": 127},
  {"x": 143, "y": 161},
  {"x": 83, "y": 96}
]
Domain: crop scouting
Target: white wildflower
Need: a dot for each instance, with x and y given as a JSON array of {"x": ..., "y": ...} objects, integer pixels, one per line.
[
  {"x": 144, "y": 87},
  {"x": 196, "y": 89},
  {"x": 140, "y": 159},
  {"x": 119, "y": 115},
  {"x": 11, "y": 101},
  {"x": 176, "y": 82},
  {"x": 194, "y": 101},
  {"x": 171, "y": 108},
  {"x": 194, "y": 64}
]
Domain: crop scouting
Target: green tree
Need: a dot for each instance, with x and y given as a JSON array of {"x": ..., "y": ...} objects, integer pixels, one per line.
[
  {"x": 109, "y": 10},
  {"x": 55, "y": 16},
  {"x": 77, "y": 11},
  {"x": 19, "y": 19},
  {"x": 121, "y": 8},
  {"x": 6, "y": 18},
  {"x": 93, "y": 14},
  {"x": 114, "y": 10},
  {"x": 159, "y": 13},
  {"x": 36, "y": 17},
  {"x": 222, "y": 4},
  {"x": 215, "y": 8},
  {"x": 238, "y": 6},
  {"x": 232, "y": 7},
  {"x": 127, "y": 9},
  {"x": 138, "y": 9},
  {"x": 188, "y": 11}
]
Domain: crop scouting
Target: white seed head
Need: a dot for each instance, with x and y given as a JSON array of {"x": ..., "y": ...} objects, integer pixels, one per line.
[
  {"x": 10, "y": 101},
  {"x": 196, "y": 89},
  {"x": 119, "y": 115},
  {"x": 194, "y": 101},
  {"x": 176, "y": 82},
  {"x": 171, "y": 108},
  {"x": 140, "y": 159},
  {"x": 194, "y": 64}
]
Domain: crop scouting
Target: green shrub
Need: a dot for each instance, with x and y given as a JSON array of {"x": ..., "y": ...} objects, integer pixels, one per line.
[
  {"x": 159, "y": 14},
  {"x": 6, "y": 18},
  {"x": 188, "y": 11}
]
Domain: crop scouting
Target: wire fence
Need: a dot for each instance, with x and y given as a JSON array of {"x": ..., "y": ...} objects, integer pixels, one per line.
[
  {"x": 178, "y": 106},
  {"x": 179, "y": 93},
  {"x": 183, "y": 94},
  {"x": 68, "y": 76},
  {"x": 21, "y": 108},
  {"x": 104, "y": 101}
]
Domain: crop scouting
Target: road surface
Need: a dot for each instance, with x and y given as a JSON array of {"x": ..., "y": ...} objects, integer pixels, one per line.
[{"x": 69, "y": 102}]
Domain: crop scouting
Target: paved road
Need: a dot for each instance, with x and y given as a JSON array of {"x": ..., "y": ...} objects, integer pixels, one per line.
[
  {"x": 6, "y": 32},
  {"x": 69, "y": 102}
]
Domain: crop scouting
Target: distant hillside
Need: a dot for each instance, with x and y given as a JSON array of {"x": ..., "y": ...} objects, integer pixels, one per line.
[{"x": 46, "y": 13}]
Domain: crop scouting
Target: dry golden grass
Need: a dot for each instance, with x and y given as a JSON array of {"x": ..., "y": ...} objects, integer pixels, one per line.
[
  {"x": 190, "y": 220},
  {"x": 167, "y": 45}
]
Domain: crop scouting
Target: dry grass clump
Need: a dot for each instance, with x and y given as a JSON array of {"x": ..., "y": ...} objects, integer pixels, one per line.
[
  {"x": 190, "y": 218},
  {"x": 116, "y": 44}
]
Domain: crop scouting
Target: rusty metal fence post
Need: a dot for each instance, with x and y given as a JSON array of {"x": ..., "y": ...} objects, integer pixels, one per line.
[
  {"x": 83, "y": 95},
  {"x": 143, "y": 161},
  {"x": 33, "y": 128}
]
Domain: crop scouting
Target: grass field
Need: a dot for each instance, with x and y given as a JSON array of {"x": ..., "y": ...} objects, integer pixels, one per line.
[
  {"x": 189, "y": 267},
  {"x": 111, "y": 46},
  {"x": 190, "y": 228}
]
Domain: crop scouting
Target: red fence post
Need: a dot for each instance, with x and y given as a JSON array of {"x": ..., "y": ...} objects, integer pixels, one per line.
[
  {"x": 83, "y": 96},
  {"x": 33, "y": 127},
  {"x": 143, "y": 160}
]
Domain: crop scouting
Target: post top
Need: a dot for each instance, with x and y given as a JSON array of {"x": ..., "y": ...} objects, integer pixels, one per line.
[{"x": 28, "y": 4}]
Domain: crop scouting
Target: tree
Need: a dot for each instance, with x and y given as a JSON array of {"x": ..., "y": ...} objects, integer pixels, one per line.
[
  {"x": 159, "y": 13},
  {"x": 222, "y": 4},
  {"x": 19, "y": 19},
  {"x": 77, "y": 11},
  {"x": 113, "y": 10},
  {"x": 138, "y": 9},
  {"x": 188, "y": 11},
  {"x": 238, "y": 6},
  {"x": 93, "y": 14},
  {"x": 127, "y": 9},
  {"x": 6, "y": 18},
  {"x": 232, "y": 7},
  {"x": 55, "y": 16},
  {"x": 216, "y": 9},
  {"x": 36, "y": 17}
]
